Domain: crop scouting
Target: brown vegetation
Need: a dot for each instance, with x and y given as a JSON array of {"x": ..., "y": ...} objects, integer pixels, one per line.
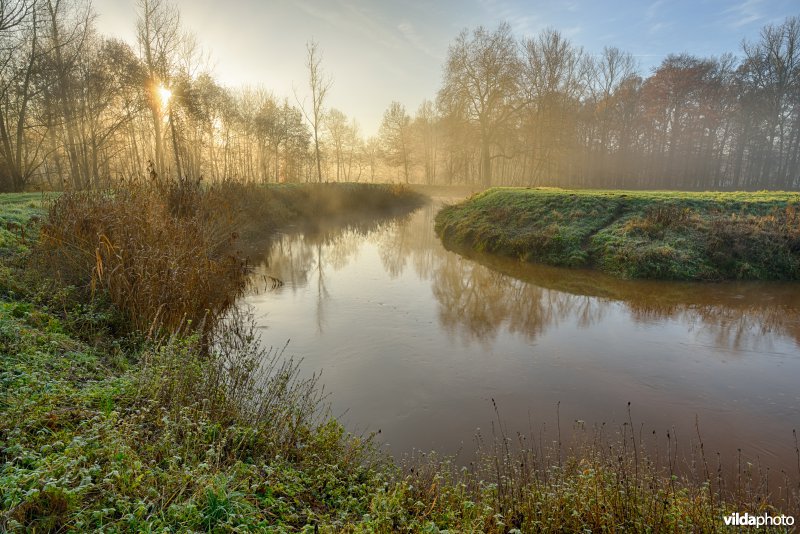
[
  {"x": 160, "y": 251},
  {"x": 168, "y": 253}
]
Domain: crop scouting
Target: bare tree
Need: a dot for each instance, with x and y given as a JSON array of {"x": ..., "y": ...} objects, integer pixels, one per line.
[
  {"x": 67, "y": 37},
  {"x": 159, "y": 37},
  {"x": 370, "y": 152},
  {"x": 354, "y": 146},
  {"x": 481, "y": 84},
  {"x": 21, "y": 135},
  {"x": 607, "y": 74},
  {"x": 395, "y": 135},
  {"x": 427, "y": 137},
  {"x": 336, "y": 125},
  {"x": 319, "y": 84},
  {"x": 612, "y": 68},
  {"x": 554, "y": 78},
  {"x": 13, "y": 13},
  {"x": 771, "y": 74},
  {"x": 113, "y": 81}
]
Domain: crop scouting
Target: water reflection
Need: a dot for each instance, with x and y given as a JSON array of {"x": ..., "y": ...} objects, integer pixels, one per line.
[
  {"x": 481, "y": 296},
  {"x": 414, "y": 339},
  {"x": 301, "y": 259}
]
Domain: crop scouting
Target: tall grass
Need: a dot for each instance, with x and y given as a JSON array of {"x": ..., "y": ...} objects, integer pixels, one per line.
[
  {"x": 169, "y": 253},
  {"x": 238, "y": 399},
  {"x": 159, "y": 251},
  {"x": 605, "y": 480}
]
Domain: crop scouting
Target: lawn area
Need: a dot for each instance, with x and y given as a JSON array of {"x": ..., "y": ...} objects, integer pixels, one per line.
[{"x": 635, "y": 234}]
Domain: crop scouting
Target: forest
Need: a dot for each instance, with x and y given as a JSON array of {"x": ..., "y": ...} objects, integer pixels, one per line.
[{"x": 82, "y": 110}]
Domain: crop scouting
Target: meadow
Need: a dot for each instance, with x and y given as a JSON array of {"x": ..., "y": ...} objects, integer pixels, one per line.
[{"x": 635, "y": 234}]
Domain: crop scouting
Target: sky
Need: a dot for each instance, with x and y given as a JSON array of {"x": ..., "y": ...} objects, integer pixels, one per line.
[{"x": 380, "y": 51}]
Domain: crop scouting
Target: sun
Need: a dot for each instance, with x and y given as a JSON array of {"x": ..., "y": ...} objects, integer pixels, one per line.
[{"x": 164, "y": 94}]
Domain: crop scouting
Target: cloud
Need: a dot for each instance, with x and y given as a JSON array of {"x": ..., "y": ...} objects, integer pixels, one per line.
[
  {"x": 415, "y": 39},
  {"x": 522, "y": 23},
  {"x": 314, "y": 11},
  {"x": 652, "y": 10},
  {"x": 745, "y": 13},
  {"x": 659, "y": 26},
  {"x": 348, "y": 16}
]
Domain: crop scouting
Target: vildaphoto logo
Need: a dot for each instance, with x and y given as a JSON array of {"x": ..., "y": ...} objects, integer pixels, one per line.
[{"x": 766, "y": 520}]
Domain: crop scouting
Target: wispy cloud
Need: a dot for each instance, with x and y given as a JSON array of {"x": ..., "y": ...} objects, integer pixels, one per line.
[
  {"x": 744, "y": 13},
  {"x": 359, "y": 17},
  {"x": 659, "y": 26},
  {"x": 572, "y": 6},
  {"x": 413, "y": 37},
  {"x": 654, "y": 18},
  {"x": 317, "y": 12},
  {"x": 349, "y": 16},
  {"x": 652, "y": 10},
  {"x": 521, "y": 22}
]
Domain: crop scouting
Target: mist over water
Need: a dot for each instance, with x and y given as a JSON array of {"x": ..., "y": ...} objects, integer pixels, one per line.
[{"x": 416, "y": 341}]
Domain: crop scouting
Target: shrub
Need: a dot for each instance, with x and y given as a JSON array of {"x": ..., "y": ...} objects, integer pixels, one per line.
[{"x": 159, "y": 251}]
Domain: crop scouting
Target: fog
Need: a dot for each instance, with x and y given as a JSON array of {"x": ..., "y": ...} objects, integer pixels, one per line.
[{"x": 81, "y": 109}]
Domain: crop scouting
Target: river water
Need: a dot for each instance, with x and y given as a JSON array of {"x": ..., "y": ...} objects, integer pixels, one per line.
[{"x": 415, "y": 341}]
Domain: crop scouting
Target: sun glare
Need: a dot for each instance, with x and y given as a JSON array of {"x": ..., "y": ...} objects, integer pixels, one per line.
[{"x": 164, "y": 94}]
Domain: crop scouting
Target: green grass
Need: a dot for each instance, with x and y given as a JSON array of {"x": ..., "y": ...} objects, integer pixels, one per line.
[
  {"x": 16, "y": 212},
  {"x": 634, "y": 234},
  {"x": 84, "y": 447},
  {"x": 104, "y": 432}
]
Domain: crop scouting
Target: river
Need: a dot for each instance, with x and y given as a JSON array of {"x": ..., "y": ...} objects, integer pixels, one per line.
[{"x": 415, "y": 341}]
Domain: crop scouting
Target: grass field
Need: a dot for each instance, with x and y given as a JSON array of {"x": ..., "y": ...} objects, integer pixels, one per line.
[{"x": 634, "y": 234}]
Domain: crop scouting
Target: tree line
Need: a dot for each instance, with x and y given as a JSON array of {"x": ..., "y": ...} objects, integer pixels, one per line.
[
  {"x": 541, "y": 111},
  {"x": 82, "y": 110}
]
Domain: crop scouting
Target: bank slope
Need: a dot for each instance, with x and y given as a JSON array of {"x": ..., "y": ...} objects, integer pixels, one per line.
[{"x": 635, "y": 234}]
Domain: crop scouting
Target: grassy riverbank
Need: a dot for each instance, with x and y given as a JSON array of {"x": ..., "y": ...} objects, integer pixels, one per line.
[
  {"x": 633, "y": 234},
  {"x": 108, "y": 427}
]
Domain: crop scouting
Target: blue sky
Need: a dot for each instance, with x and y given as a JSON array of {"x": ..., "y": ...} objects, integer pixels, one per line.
[{"x": 383, "y": 51}]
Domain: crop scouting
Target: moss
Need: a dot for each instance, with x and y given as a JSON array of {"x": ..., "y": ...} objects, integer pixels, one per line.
[{"x": 659, "y": 234}]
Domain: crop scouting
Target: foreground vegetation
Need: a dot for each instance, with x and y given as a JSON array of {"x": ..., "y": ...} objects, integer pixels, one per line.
[
  {"x": 632, "y": 234},
  {"x": 106, "y": 426}
]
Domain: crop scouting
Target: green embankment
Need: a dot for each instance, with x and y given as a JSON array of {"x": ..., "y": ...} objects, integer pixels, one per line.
[
  {"x": 104, "y": 430},
  {"x": 633, "y": 234},
  {"x": 16, "y": 212}
]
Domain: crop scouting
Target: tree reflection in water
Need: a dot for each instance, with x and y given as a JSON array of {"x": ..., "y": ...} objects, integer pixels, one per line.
[
  {"x": 480, "y": 296},
  {"x": 415, "y": 339}
]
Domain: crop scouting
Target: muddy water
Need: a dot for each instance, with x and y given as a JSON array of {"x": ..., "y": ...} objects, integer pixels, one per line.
[{"x": 415, "y": 340}]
